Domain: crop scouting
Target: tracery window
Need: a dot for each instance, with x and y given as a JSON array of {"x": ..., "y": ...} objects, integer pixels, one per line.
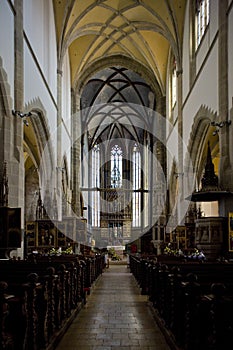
[
  {"x": 146, "y": 185},
  {"x": 202, "y": 19},
  {"x": 173, "y": 84},
  {"x": 136, "y": 196},
  {"x": 116, "y": 167},
  {"x": 95, "y": 183}
]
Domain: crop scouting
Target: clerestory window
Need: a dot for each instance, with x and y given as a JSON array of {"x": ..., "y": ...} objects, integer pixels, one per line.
[
  {"x": 202, "y": 19},
  {"x": 173, "y": 84}
]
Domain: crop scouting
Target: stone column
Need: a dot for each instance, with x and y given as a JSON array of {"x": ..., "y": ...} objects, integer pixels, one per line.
[
  {"x": 75, "y": 151},
  {"x": 225, "y": 133},
  {"x": 181, "y": 205},
  {"x": 59, "y": 144},
  {"x": 159, "y": 182},
  {"x": 16, "y": 163},
  {"x": 14, "y": 154}
]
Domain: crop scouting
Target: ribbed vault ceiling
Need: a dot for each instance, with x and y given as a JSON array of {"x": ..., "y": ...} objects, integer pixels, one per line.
[
  {"x": 142, "y": 30},
  {"x": 115, "y": 104}
]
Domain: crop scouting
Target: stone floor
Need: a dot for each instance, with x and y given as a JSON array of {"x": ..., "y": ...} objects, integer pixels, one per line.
[{"x": 116, "y": 316}]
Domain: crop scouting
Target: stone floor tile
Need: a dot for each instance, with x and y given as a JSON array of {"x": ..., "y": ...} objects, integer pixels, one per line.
[{"x": 116, "y": 317}]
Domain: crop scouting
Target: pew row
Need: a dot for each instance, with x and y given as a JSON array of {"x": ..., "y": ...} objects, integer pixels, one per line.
[
  {"x": 192, "y": 302},
  {"x": 39, "y": 298}
]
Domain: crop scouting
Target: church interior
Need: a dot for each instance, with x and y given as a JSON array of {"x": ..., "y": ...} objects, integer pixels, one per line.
[{"x": 116, "y": 140}]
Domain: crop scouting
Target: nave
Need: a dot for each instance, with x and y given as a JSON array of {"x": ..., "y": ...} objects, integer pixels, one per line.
[{"x": 116, "y": 316}]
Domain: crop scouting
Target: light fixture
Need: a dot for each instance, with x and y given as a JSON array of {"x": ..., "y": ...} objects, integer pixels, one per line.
[
  {"x": 23, "y": 116},
  {"x": 178, "y": 174},
  {"x": 220, "y": 125},
  {"x": 215, "y": 132},
  {"x": 60, "y": 169}
]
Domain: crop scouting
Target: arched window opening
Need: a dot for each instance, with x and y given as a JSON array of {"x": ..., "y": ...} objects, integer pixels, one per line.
[
  {"x": 95, "y": 184},
  {"x": 173, "y": 85},
  {"x": 136, "y": 197},
  {"x": 202, "y": 19},
  {"x": 116, "y": 167},
  {"x": 146, "y": 185}
]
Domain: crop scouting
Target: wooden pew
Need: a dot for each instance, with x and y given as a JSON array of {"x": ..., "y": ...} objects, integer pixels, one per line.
[
  {"x": 190, "y": 299},
  {"x": 45, "y": 293}
]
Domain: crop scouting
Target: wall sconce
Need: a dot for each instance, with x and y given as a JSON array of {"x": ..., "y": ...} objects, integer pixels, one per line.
[
  {"x": 220, "y": 125},
  {"x": 60, "y": 169},
  {"x": 22, "y": 116},
  {"x": 178, "y": 174}
]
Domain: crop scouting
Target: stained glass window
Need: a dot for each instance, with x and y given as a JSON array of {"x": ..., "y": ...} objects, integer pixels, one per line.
[{"x": 116, "y": 167}]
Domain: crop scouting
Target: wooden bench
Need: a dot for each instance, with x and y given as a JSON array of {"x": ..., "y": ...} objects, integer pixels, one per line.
[
  {"x": 40, "y": 296},
  {"x": 189, "y": 299}
]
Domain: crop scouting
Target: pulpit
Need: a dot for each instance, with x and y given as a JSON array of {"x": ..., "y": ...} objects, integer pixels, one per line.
[
  {"x": 211, "y": 233},
  {"x": 210, "y": 236}
]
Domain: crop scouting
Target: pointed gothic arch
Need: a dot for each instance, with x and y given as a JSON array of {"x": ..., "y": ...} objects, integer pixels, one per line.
[
  {"x": 39, "y": 157},
  {"x": 201, "y": 133}
]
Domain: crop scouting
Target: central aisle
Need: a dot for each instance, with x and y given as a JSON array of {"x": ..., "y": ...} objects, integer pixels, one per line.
[{"x": 116, "y": 316}]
